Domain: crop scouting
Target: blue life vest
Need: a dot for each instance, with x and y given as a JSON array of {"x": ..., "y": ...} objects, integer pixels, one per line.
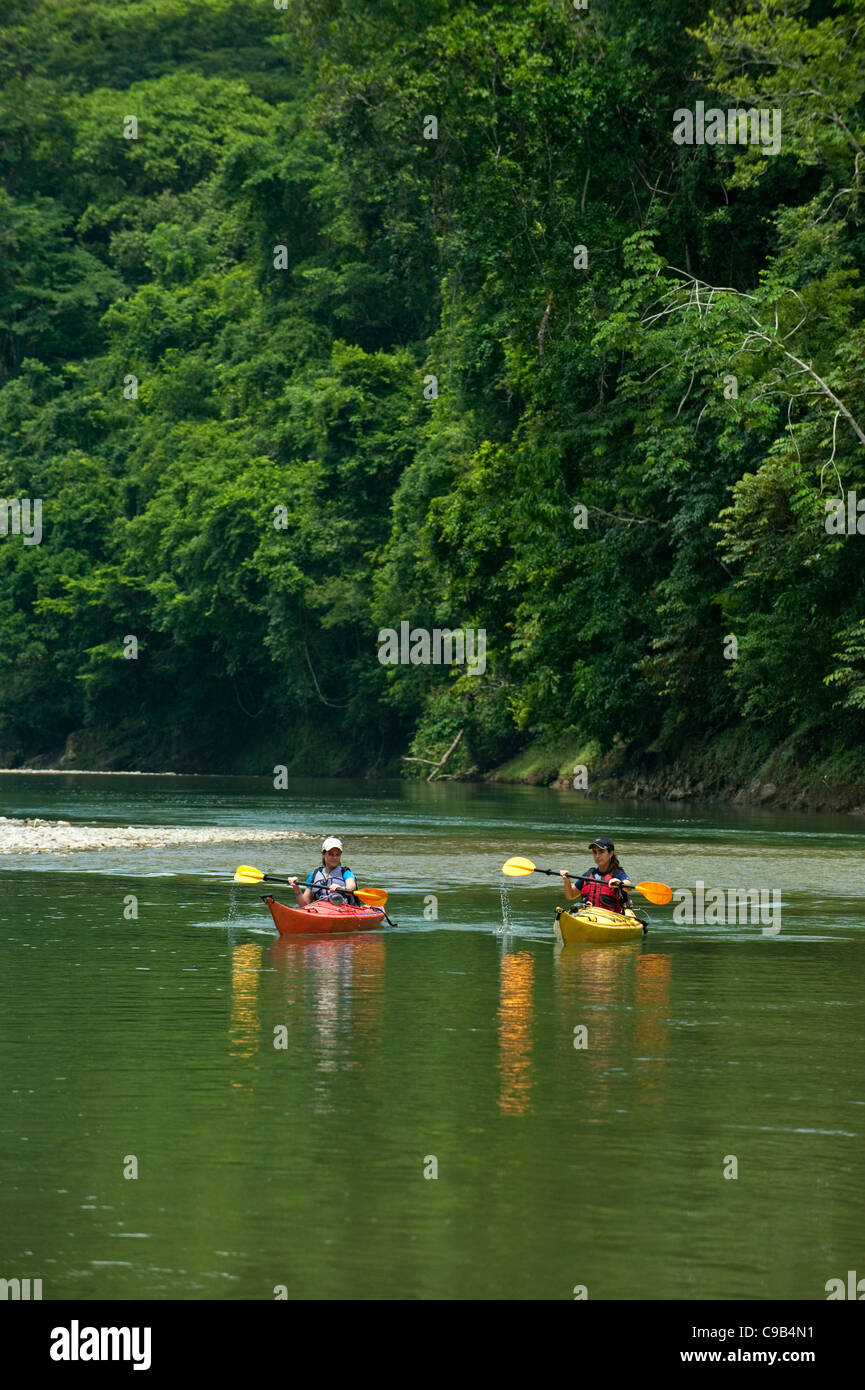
[{"x": 323, "y": 883}]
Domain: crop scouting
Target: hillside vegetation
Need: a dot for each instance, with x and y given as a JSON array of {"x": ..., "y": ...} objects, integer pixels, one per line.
[{"x": 287, "y": 362}]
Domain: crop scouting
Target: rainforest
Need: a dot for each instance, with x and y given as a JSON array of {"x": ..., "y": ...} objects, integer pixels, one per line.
[{"x": 323, "y": 319}]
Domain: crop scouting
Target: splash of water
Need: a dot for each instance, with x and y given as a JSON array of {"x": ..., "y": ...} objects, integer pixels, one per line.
[{"x": 506, "y": 908}]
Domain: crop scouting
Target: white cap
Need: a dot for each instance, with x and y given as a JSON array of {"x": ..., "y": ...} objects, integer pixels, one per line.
[{"x": 331, "y": 843}]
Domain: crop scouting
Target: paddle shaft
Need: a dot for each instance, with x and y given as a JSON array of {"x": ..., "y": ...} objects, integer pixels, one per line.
[
  {"x": 575, "y": 878},
  {"x": 277, "y": 878}
]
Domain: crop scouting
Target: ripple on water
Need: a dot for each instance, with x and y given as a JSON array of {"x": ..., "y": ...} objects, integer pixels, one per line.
[{"x": 441, "y": 1039}]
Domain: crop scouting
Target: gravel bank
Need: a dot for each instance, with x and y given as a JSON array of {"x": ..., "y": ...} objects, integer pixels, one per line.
[{"x": 37, "y": 836}]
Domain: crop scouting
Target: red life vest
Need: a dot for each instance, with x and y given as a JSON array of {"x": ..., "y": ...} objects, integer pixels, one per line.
[{"x": 599, "y": 893}]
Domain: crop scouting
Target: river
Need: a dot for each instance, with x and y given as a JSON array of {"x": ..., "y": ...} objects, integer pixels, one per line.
[{"x": 195, "y": 1109}]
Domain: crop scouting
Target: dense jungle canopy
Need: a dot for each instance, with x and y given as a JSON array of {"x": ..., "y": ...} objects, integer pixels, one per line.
[{"x": 288, "y": 361}]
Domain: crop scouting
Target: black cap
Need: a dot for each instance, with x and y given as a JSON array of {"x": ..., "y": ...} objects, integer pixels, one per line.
[{"x": 603, "y": 842}]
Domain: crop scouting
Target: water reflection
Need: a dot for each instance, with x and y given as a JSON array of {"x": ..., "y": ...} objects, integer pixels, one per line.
[
  {"x": 652, "y": 1024},
  {"x": 594, "y": 985},
  {"x": 516, "y": 986},
  {"x": 621, "y": 995},
  {"x": 245, "y": 1023},
  {"x": 331, "y": 994}
]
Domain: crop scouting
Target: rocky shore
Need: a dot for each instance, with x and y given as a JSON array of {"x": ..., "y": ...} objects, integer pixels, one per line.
[{"x": 32, "y": 835}]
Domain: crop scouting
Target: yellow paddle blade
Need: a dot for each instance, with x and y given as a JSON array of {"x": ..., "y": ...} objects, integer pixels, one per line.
[
  {"x": 247, "y": 874},
  {"x": 375, "y": 897},
  {"x": 658, "y": 893},
  {"x": 516, "y": 867}
]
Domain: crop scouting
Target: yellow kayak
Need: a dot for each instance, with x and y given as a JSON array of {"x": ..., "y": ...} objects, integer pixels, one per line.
[{"x": 597, "y": 924}]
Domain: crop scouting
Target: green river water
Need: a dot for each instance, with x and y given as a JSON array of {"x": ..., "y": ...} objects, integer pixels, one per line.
[{"x": 448, "y": 1038}]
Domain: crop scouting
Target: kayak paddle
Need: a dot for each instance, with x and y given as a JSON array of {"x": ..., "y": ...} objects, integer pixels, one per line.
[
  {"x": 658, "y": 893},
  {"x": 374, "y": 897}
]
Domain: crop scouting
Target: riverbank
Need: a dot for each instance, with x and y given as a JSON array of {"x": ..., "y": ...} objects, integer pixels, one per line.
[{"x": 734, "y": 767}]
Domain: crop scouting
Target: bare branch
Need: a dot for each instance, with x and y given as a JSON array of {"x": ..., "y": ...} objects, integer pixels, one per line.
[
  {"x": 437, "y": 766},
  {"x": 759, "y": 334},
  {"x": 334, "y": 704},
  {"x": 832, "y": 460},
  {"x": 827, "y": 390},
  {"x": 542, "y": 330},
  {"x": 687, "y": 393},
  {"x": 627, "y": 520}
]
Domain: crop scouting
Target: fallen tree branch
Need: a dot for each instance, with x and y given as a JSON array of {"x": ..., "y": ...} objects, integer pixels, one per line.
[{"x": 441, "y": 762}]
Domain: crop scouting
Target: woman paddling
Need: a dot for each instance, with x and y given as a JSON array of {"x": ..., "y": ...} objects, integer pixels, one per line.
[
  {"x": 604, "y": 884},
  {"x": 331, "y": 882}
]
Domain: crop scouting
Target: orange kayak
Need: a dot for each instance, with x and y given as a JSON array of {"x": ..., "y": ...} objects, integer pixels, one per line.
[{"x": 323, "y": 917}]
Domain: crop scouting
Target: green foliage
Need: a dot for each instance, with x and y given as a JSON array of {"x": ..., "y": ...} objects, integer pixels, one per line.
[
  {"x": 850, "y": 677},
  {"x": 246, "y": 467}
]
